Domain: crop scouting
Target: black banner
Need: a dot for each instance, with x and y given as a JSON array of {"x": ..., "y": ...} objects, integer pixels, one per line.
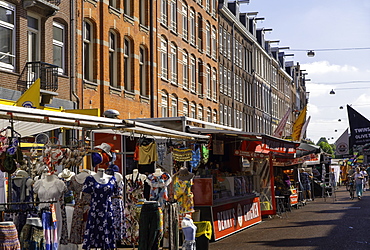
[{"x": 359, "y": 126}]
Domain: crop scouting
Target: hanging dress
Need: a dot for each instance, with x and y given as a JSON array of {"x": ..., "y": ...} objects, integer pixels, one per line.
[
  {"x": 99, "y": 231},
  {"x": 118, "y": 213},
  {"x": 158, "y": 184},
  {"x": 80, "y": 211},
  {"x": 134, "y": 193},
  {"x": 184, "y": 195}
]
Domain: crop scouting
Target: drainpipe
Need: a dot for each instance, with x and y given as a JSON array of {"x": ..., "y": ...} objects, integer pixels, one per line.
[
  {"x": 151, "y": 70},
  {"x": 73, "y": 53}
]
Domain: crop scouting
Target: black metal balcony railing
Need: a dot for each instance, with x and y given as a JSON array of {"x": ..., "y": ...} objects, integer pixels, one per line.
[{"x": 48, "y": 74}]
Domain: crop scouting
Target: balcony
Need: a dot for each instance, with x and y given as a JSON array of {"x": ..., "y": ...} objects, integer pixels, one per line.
[
  {"x": 48, "y": 74},
  {"x": 44, "y": 7}
]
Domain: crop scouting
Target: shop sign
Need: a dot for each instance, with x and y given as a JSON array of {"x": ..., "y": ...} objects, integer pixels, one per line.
[
  {"x": 250, "y": 154},
  {"x": 233, "y": 217}
]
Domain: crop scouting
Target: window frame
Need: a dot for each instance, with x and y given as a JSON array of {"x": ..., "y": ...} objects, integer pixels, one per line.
[
  {"x": 113, "y": 59},
  {"x": 62, "y": 45},
  {"x": 127, "y": 65},
  {"x": 13, "y": 29}
]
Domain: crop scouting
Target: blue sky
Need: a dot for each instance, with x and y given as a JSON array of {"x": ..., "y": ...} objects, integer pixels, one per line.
[{"x": 324, "y": 24}]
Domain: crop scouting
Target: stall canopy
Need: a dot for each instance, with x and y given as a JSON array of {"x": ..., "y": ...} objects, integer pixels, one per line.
[
  {"x": 255, "y": 142},
  {"x": 29, "y": 121}
]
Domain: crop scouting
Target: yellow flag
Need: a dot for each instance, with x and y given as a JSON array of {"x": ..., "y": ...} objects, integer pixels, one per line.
[
  {"x": 30, "y": 98},
  {"x": 298, "y": 124}
]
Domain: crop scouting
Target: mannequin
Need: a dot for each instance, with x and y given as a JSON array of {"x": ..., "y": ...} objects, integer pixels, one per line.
[
  {"x": 189, "y": 230},
  {"x": 158, "y": 172},
  {"x": 80, "y": 178},
  {"x": 102, "y": 177},
  {"x": 183, "y": 181},
  {"x": 136, "y": 175}
]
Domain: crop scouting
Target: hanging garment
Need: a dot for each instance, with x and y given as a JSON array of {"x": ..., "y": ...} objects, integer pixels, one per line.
[
  {"x": 50, "y": 231},
  {"x": 118, "y": 213},
  {"x": 194, "y": 163},
  {"x": 182, "y": 154},
  {"x": 148, "y": 153},
  {"x": 184, "y": 195},
  {"x": 32, "y": 238},
  {"x": 205, "y": 154},
  {"x": 9, "y": 238},
  {"x": 149, "y": 227},
  {"x": 189, "y": 230},
  {"x": 134, "y": 193},
  {"x": 21, "y": 194},
  {"x": 82, "y": 207},
  {"x": 158, "y": 187},
  {"x": 99, "y": 228},
  {"x": 171, "y": 226}
]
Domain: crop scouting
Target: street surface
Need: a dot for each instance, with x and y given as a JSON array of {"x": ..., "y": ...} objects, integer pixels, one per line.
[{"x": 339, "y": 223}]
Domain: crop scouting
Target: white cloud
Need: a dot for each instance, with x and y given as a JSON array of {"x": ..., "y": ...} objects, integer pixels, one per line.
[{"x": 324, "y": 67}]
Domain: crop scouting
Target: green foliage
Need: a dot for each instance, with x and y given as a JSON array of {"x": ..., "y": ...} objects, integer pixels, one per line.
[{"x": 326, "y": 147}]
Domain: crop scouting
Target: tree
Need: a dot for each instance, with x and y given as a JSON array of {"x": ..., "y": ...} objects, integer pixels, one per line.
[{"x": 326, "y": 147}]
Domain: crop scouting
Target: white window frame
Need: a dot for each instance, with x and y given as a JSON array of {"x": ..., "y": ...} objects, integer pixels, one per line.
[
  {"x": 185, "y": 108},
  {"x": 164, "y": 104},
  {"x": 88, "y": 52},
  {"x": 113, "y": 81},
  {"x": 174, "y": 64},
  {"x": 193, "y": 74},
  {"x": 60, "y": 44},
  {"x": 192, "y": 27},
  {"x": 184, "y": 21},
  {"x": 193, "y": 110},
  {"x": 200, "y": 112},
  {"x": 214, "y": 43},
  {"x": 127, "y": 50},
  {"x": 208, "y": 82},
  {"x": 173, "y": 13},
  {"x": 214, "y": 116},
  {"x": 11, "y": 54},
  {"x": 174, "y": 106},
  {"x": 144, "y": 88},
  {"x": 185, "y": 70},
  {"x": 208, "y": 38},
  {"x": 164, "y": 12},
  {"x": 143, "y": 13},
  {"x": 214, "y": 84},
  {"x": 209, "y": 115},
  {"x": 164, "y": 58},
  {"x": 33, "y": 32}
]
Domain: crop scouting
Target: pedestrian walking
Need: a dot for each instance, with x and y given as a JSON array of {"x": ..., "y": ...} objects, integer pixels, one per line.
[
  {"x": 305, "y": 179},
  {"x": 358, "y": 176}
]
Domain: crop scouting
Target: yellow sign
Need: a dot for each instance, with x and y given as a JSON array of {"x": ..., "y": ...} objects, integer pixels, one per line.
[{"x": 30, "y": 98}]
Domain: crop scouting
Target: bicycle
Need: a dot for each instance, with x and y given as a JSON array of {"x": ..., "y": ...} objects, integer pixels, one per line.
[{"x": 351, "y": 188}]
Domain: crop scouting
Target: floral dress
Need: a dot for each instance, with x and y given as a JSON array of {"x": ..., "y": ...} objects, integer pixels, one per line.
[
  {"x": 80, "y": 211},
  {"x": 158, "y": 184},
  {"x": 118, "y": 213},
  {"x": 134, "y": 192},
  {"x": 183, "y": 195},
  {"x": 99, "y": 228}
]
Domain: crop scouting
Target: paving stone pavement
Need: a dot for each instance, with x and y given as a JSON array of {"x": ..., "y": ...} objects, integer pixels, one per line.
[{"x": 331, "y": 223}]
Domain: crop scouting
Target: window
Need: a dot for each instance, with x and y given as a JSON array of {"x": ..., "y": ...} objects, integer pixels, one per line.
[
  {"x": 221, "y": 114},
  {"x": 200, "y": 78},
  {"x": 33, "y": 24},
  {"x": 113, "y": 3},
  {"x": 200, "y": 112},
  {"x": 112, "y": 60},
  {"x": 214, "y": 7},
  {"x": 228, "y": 37},
  {"x": 193, "y": 110},
  {"x": 207, "y": 5},
  {"x": 193, "y": 73},
  {"x": 214, "y": 84},
  {"x": 174, "y": 106},
  {"x": 208, "y": 82},
  {"x": 127, "y": 78},
  {"x": 164, "y": 58},
  {"x": 209, "y": 115},
  {"x": 192, "y": 27},
  {"x": 88, "y": 52},
  {"x": 220, "y": 79},
  {"x": 208, "y": 38},
  {"x": 59, "y": 46},
  {"x": 186, "y": 108},
  {"x": 173, "y": 9},
  {"x": 173, "y": 64},
  {"x": 214, "y": 43},
  {"x": 185, "y": 21},
  {"x": 144, "y": 88},
  {"x": 164, "y": 12},
  {"x": 143, "y": 13},
  {"x": 7, "y": 36},
  {"x": 164, "y": 104},
  {"x": 214, "y": 116},
  {"x": 220, "y": 40},
  {"x": 200, "y": 32},
  {"x": 185, "y": 70}
]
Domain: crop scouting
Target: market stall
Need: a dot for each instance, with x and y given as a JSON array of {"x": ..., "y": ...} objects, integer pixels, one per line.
[{"x": 102, "y": 144}]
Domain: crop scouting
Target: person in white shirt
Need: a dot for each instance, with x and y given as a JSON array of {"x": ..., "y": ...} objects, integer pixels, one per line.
[{"x": 358, "y": 176}]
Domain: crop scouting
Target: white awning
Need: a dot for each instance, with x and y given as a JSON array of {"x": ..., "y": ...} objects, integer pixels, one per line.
[{"x": 27, "y": 122}]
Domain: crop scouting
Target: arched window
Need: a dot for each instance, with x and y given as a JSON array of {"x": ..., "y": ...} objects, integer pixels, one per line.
[
  {"x": 214, "y": 84},
  {"x": 174, "y": 106},
  {"x": 193, "y": 73},
  {"x": 193, "y": 112},
  {"x": 184, "y": 21},
  {"x": 209, "y": 114},
  {"x": 200, "y": 112},
  {"x": 214, "y": 116},
  {"x": 88, "y": 51},
  {"x": 185, "y": 109},
  {"x": 192, "y": 27},
  {"x": 173, "y": 56},
  {"x": 208, "y": 38},
  {"x": 164, "y": 103},
  {"x": 127, "y": 53},
  {"x": 208, "y": 81},
  {"x": 113, "y": 59},
  {"x": 143, "y": 71},
  {"x": 185, "y": 70},
  {"x": 164, "y": 58},
  {"x": 214, "y": 43}
]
